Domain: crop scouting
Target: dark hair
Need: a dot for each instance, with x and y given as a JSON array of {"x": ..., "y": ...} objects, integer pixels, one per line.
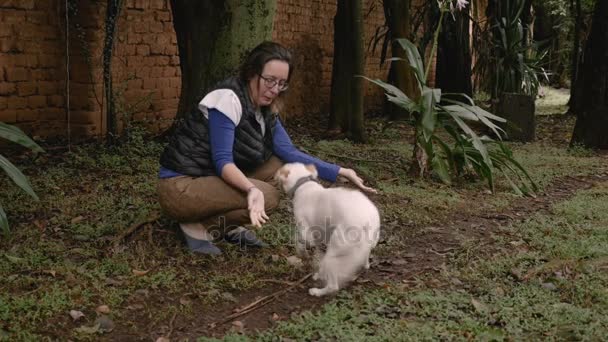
[{"x": 262, "y": 54}]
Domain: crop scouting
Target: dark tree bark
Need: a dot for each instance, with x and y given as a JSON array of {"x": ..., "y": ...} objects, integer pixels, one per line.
[
  {"x": 397, "y": 16},
  {"x": 197, "y": 25},
  {"x": 212, "y": 38},
  {"x": 453, "y": 68},
  {"x": 346, "y": 99},
  {"x": 592, "y": 94},
  {"x": 113, "y": 9},
  {"x": 575, "y": 8}
]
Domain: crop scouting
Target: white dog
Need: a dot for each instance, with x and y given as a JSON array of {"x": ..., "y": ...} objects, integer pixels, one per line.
[{"x": 343, "y": 220}]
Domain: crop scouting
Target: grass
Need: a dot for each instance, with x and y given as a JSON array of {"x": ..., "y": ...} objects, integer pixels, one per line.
[
  {"x": 59, "y": 255},
  {"x": 491, "y": 304}
]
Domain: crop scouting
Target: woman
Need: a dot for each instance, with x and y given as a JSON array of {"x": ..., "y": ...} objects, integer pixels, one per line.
[{"x": 217, "y": 169}]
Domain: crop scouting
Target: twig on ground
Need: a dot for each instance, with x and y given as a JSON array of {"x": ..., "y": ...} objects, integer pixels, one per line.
[
  {"x": 275, "y": 281},
  {"x": 348, "y": 157},
  {"x": 152, "y": 218},
  {"x": 258, "y": 303},
  {"x": 171, "y": 325}
]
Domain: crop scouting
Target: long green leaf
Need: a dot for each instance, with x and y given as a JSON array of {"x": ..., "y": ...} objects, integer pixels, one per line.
[
  {"x": 15, "y": 174},
  {"x": 440, "y": 167},
  {"x": 477, "y": 143},
  {"x": 414, "y": 58},
  {"x": 429, "y": 115},
  {"x": 14, "y": 134},
  {"x": 394, "y": 94},
  {"x": 3, "y": 220}
]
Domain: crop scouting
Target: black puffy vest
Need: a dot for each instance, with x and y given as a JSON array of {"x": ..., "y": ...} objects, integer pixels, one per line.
[{"x": 189, "y": 151}]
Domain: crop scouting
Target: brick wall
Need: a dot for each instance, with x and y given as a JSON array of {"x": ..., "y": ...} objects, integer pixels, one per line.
[
  {"x": 145, "y": 65},
  {"x": 32, "y": 55},
  {"x": 306, "y": 28}
]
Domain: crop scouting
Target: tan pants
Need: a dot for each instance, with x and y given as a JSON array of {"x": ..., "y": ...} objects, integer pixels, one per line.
[{"x": 214, "y": 203}]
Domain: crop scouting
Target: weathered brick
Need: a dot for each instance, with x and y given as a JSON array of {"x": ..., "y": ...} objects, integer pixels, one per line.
[
  {"x": 170, "y": 50},
  {"x": 157, "y": 4},
  {"x": 143, "y": 50},
  {"x": 48, "y": 88},
  {"x": 7, "y": 88},
  {"x": 17, "y": 74},
  {"x": 6, "y": 30},
  {"x": 53, "y": 114},
  {"x": 37, "y": 17},
  {"x": 162, "y": 60},
  {"x": 135, "y": 84},
  {"x": 3, "y": 103},
  {"x": 174, "y": 60},
  {"x": 162, "y": 15},
  {"x": 162, "y": 83},
  {"x": 142, "y": 72},
  {"x": 29, "y": 60},
  {"x": 156, "y": 72},
  {"x": 170, "y": 93},
  {"x": 27, "y": 115},
  {"x": 56, "y": 100},
  {"x": 36, "y": 101},
  {"x": 169, "y": 71},
  {"x": 140, "y": 27},
  {"x": 8, "y": 116},
  {"x": 175, "y": 82},
  {"x": 15, "y": 102},
  {"x": 156, "y": 49},
  {"x": 155, "y": 27},
  {"x": 85, "y": 117},
  {"x": 149, "y": 83},
  {"x": 26, "y": 88}
]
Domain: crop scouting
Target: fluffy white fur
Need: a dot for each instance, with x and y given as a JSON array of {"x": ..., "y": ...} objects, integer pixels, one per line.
[{"x": 342, "y": 220}]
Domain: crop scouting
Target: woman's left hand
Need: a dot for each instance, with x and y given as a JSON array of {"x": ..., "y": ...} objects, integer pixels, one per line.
[{"x": 352, "y": 176}]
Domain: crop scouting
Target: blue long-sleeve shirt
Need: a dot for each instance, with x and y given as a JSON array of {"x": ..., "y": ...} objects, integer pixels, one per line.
[{"x": 221, "y": 137}]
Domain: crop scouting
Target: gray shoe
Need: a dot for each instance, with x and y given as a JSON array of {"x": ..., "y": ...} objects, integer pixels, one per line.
[{"x": 244, "y": 238}]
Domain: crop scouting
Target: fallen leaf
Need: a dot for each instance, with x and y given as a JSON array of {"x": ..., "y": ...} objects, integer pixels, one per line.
[
  {"x": 136, "y": 307},
  {"x": 238, "y": 326},
  {"x": 274, "y": 257},
  {"x": 139, "y": 273},
  {"x": 549, "y": 286},
  {"x": 77, "y": 219},
  {"x": 275, "y": 317},
  {"x": 88, "y": 330},
  {"x": 294, "y": 261},
  {"x": 163, "y": 339},
  {"x": 479, "y": 306},
  {"x": 103, "y": 309},
  {"x": 185, "y": 301},
  {"x": 51, "y": 272},
  {"x": 76, "y": 315},
  {"x": 105, "y": 324}
]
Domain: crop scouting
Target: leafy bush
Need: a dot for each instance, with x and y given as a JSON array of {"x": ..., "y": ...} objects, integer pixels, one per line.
[
  {"x": 434, "y": 113},
  {"x": 15, "y": 135}
]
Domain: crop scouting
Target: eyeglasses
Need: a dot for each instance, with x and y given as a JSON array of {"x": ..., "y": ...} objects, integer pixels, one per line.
[{"x": 271, "y": 82}]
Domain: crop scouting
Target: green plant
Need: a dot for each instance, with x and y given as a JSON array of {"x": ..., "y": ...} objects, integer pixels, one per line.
[
  {"x": 517, "y": 64},
  {"x": 434, "y": 113},
  {"x": 15, "y": 135}
]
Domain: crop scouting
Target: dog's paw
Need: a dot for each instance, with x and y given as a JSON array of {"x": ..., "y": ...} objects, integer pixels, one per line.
[
  {"x": 315, "y": 292},
  {"x": 316, "y": 276}
]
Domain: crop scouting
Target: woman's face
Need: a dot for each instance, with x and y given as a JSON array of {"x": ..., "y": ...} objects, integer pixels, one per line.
[{"x": 267, "y": 86}]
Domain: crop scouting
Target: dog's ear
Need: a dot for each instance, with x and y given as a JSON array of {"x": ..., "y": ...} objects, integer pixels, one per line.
[
  {"x": 313, "y": 169},
  {"x": 282, "y": 174}
]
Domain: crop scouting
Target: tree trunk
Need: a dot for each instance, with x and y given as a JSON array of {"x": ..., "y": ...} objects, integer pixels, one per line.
[
  {"x": 357, "y": 129},
  {"x": 575, "y": 6},
  {"x": 592, "y": 96},
  {"x": 212, "y": 38},
  {"x": 340, "y": 101},
  {"x": 346, "y": 102},
  {"x": 397, "y": 15},
  {"x": 113, "y": 9},
  {"x": 453, "y": 68}
]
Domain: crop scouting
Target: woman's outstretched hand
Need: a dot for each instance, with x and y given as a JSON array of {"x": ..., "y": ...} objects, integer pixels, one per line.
[
  {"x": 352, "y": 176},
  {"x": 255, "y": 205}
]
